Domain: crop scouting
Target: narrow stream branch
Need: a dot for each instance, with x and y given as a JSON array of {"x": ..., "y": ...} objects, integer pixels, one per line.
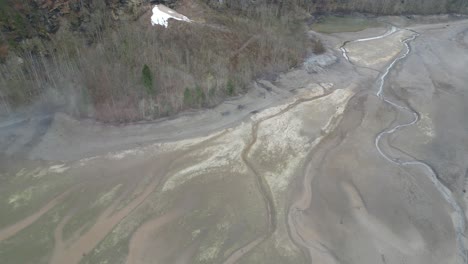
[
  {"x": 262, "y": 183},
  {"x": 459, "y": 221}
]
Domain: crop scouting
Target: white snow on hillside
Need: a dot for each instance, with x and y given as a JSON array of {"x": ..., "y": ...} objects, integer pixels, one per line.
[{"x": 161, "y": 15}]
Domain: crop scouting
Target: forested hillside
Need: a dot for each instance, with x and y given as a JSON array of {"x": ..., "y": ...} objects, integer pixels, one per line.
[
  {"x": 102, "y": 59},
  {"x": 105, "y": 61},
  {"x": 383, "y": 7}
]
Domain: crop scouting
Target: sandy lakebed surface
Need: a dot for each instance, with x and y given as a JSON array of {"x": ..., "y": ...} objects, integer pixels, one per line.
[{"x": 361, "y": 161}]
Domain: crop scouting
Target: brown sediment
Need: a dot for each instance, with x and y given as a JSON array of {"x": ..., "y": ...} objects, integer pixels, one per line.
[
  {"x": 262, "y": 184},
  {"x": 141, "y": 236},
  {"x": 412, "y": 242},
  {"x": 341, "y": 194},
  {"x": 72, "y": 250},
  {"x": 300, "y": 235},
  {"x": 14, "y": 229}
]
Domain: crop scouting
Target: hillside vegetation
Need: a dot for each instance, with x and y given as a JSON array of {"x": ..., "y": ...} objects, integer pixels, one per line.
[
  {"x": 127, "y": 70},
  {"x": 381, "y": 7},
  {"x": 103, "y": 60}
]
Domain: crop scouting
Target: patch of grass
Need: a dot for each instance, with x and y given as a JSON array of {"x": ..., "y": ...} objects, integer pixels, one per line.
[
  {"x": 230, "y": 88},
  {"x": 200, "y": 96},
  {"x": 188, "y": 97},
  {"x": 337, "y": 24},
  {"x": 147, "y": 78}
]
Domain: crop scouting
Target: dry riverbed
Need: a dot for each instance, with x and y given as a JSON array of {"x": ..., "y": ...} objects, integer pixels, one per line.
[{"x": 292, "y": 172}]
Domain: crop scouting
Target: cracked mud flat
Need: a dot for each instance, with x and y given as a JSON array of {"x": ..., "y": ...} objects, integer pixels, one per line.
[{"x": 364, "y": 162}]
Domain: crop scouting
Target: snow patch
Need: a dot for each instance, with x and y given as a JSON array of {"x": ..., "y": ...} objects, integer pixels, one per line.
[{"x": 161, "y": 15}]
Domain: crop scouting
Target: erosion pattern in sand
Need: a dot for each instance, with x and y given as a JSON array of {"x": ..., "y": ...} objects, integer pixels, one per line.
[{"x": 363, "y": 162}]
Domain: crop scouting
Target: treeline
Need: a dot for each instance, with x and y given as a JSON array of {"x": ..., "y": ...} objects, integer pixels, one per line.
[
  {"x": 380, "y": 7},
  {"x": 128, "y": 71},
  {"x": 124, "y": 70}
]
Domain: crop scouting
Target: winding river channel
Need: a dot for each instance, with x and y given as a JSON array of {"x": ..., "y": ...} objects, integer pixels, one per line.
[
  {"x": 262, "y": 184},
  {"x": 288, "y": 173},
  {"x": 458, "y": 218},
  {"x": 404, "y": 162}
]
